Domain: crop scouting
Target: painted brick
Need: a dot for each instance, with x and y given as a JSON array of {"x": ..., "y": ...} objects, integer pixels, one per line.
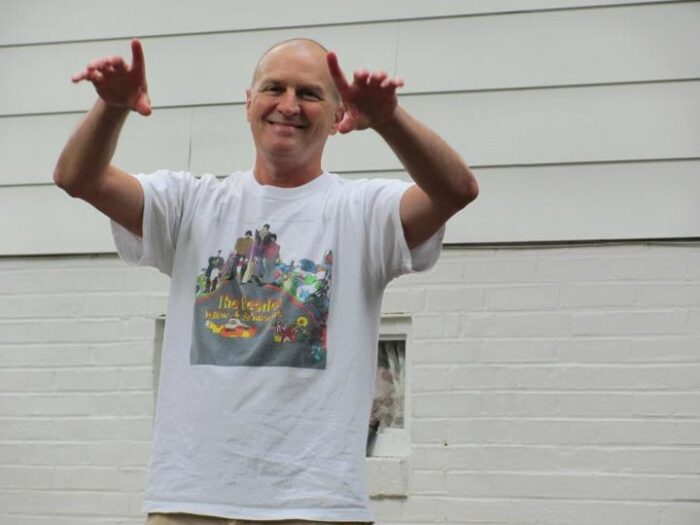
[
  {"x": 500, "y": 269},
  {"x": 684, "y": 294},
  {"x": 597, "y": 295},
  {"x": 428, "y": 326},
  {"x": 546, "y": 512},
  {"x": 572, "y": 377},
  {"x": 540, "y": 383},
  {"x": 87, "y": 478},
  {"x": 43, "y": 405},
  {"x": 556, "y": 404},
  {"x": 625, "y": 460},
  {"x": 630, "y": 323},
  {"x": 27, "y": 380},
  {"x": 23, "y": 428},
  {"x": 61, "y": 330},
  {"x": 117, "y": 304},
  {"x": 40, "y": 307},
  {"x": 122, "y": 403},
  {"x": 131, "y": 478},
  {"x": 54, "y": 355},
  {"x": 403, "y": 300},
  {"x": 518, "y": 350},
  {"x": 454, "y": 299},
  {"x": 428, "y": 482},
  {"x": 104, "y": 428},
  {"x": 427, "y": 431},
  {"x": 515, "y": 324},
  {"x": 522, "y": 298},
  {"x": 570, "y": 431},
  {"x": 444, "y": 352},
  {"x": 111, "y": 504},
  {"x": 137, "y": 353},
  {"x": 574, "y": 269},
  {"x": 24, "y": 477},
  {"x": 650, "y": 267},
  {"x": 426, "y": 379},
  {"x": 575, "y": 485},
  {"x": 49, "y": 502}
]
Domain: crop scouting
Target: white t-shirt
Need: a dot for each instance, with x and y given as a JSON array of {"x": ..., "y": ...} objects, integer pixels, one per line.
[{"x": 269, "y": 356}]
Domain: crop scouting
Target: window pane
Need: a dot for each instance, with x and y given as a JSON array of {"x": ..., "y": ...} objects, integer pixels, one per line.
[{"x": 388, "y": 406}]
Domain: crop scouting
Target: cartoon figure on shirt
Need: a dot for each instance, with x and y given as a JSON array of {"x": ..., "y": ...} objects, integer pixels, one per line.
[
  {"x": 255, "y": 269},
  {"x": 270, "y": 258},
  {"x": 213, "y": 272},
  {"x": 241, "y": 254},
  {"x": 201, "y": 282}
]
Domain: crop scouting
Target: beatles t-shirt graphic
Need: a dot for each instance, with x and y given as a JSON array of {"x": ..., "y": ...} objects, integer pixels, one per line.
[{"x": 253, "y": 308}]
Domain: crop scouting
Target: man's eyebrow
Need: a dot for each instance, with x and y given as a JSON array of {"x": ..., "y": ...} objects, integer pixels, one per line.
[{"x": 303, "y": 85}]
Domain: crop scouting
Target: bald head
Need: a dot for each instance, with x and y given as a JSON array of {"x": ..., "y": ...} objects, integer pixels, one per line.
[{"x": 302, "y": 45}]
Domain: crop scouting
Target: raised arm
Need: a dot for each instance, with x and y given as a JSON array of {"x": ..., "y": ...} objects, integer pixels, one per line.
[
  {"x": 444, "y": 183},
  {"x": 83, "y": 169}
]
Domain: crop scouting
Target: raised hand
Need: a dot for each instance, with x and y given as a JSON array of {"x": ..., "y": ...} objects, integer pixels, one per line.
[
  {"x": 369, "y": 101},
  {"x": 117, "y": 83}
]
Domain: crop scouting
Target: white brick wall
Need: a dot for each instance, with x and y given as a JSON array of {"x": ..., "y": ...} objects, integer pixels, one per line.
[{"x": 547, "y": 386}]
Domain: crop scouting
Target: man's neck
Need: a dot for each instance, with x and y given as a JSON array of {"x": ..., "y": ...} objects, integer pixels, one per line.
[{"x": 285, "y": 176}]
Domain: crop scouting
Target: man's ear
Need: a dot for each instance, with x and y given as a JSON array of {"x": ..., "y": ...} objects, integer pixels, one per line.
[
  {"x": 338, "y": 118},
  {"x": 247, "y": 104}
]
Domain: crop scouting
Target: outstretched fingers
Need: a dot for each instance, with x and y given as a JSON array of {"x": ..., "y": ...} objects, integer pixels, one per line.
[
  {"x": 96, "y": 70},
  {"x": 376, "y": 78}
]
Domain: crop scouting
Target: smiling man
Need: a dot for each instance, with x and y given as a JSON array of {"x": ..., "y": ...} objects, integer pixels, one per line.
[{"x": 267, "y": 377}]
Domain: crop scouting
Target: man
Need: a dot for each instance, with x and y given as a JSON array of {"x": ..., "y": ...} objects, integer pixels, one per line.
[{"x": 251, "y": 425}]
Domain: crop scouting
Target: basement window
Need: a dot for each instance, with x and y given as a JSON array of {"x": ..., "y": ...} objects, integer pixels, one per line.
[{"x": 387, "y": 433}]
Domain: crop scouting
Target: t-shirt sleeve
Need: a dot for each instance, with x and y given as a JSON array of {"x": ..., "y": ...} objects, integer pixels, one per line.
[
  {"x": 387, "y": 242},
  {"x": 165, "y": 200}
]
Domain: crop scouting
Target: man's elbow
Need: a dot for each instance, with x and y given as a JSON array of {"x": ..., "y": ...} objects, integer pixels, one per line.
[
  {"x": 62, "y": 181},
  {"x": 468, "y": 191},
  {"x": 68, "y": 184}
]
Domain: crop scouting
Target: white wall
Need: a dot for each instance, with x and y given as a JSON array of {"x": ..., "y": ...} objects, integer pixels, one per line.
[
  {"x": 580, "y": 118},
  {"x": 546, "y": 386}
]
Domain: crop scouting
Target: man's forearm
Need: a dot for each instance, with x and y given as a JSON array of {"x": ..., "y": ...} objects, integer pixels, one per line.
[
  {"x": 85, "y": 158},
  {"x": 435, "y": 167}
]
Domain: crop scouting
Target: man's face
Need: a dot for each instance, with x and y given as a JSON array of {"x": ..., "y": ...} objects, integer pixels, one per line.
[{"x": 292, "y": 106}]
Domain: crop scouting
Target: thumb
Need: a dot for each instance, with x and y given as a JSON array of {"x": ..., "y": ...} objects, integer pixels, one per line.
[
  {"x": 348, "y": 123},
  {"x": 143, "y": 105}
]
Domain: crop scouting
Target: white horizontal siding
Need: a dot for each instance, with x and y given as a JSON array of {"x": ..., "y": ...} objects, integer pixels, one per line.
[
  {"x": 537, "y": 203},
  {"x": 622, "y": 44},
  {"x": 544, "y": 126},
  {"x": 568, "y": 85},
  {"x": 599, "y": 201},
  {"x": 182, "y": 70},
  {"x": 146, "y": 144},
  {"x": 466, "y": 53},
  {"x": 32, "y": 21}
]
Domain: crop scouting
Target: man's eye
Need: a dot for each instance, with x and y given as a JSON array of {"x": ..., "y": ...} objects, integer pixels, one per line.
[
  {"x": 273, "y": 89},
  {"x": 310, "y": 95}
]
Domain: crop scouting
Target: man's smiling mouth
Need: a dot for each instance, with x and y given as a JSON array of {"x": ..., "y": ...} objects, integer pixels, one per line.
[{"x": 287, "y": 124}]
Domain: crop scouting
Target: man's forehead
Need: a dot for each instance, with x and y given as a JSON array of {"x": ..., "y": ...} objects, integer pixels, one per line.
[{"x": 300, "y": 47}]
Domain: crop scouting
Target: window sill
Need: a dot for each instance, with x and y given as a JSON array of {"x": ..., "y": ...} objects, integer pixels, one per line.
[{"x": 387, "y": 477}]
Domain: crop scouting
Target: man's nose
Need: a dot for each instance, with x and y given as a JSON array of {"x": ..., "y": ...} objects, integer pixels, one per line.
[{"x": 288, "y": 104}]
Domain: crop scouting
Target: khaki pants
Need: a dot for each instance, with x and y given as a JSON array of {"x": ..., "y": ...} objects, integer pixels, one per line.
[{"x": 158, "y": 518}]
